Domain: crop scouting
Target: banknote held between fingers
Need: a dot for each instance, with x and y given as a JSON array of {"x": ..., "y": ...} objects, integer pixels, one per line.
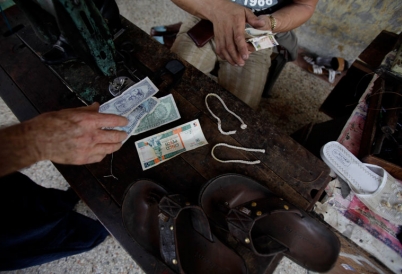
[
  {"x": 103, "y": 120},
  {"x": 235, "y": 49},
  {"x": 75, "y": 136},
  {"x": 69, "y": 136}
]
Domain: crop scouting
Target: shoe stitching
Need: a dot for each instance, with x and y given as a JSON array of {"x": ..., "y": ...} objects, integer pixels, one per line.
[{"x": 239, "y": 219}]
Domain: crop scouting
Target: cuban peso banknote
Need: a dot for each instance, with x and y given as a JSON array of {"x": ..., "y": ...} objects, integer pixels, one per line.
[
  {"x": 164, "y": 113},
  {"x": 263, "y": 42},
  {"x": 163, "y": 146},
  {"x": 131, "y": 98},
  {"x": 260, "y": 39},
  {"x": 135, "y": 117}
]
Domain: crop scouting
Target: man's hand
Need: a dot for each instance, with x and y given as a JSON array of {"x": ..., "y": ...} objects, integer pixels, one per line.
[
  {"x": 75, "y": 136},
  {"x": 70, "y": 136},
  {"x": 229, "y": 20}
]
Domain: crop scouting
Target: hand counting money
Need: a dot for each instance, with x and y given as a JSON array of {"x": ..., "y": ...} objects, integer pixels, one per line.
[
  {"x": 134, "y": 103},
  {"x": 260, "y": 39},
  {"x": 163, "y": 146}
]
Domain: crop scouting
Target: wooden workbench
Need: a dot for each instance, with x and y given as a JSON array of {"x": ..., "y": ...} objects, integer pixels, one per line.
[{"x": 29, "y": 88}]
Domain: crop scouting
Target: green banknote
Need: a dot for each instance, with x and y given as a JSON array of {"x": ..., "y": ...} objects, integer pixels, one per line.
[{"x": 164, "y": 113}]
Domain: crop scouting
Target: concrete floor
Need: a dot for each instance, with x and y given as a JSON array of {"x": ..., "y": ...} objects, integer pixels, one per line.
[{"x": 295, "y": 101}]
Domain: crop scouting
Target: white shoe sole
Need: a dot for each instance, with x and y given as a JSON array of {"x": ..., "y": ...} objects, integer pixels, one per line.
[
  {"x": 360, "y": 178},
  {"x": 377, "y": 189}
]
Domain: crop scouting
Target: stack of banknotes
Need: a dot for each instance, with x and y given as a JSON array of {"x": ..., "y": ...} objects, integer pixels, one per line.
[
  {"x": 163, "y": 146},
  {"x": 146, "y": 112},
  {"x": 260, "y": 39},
  {"x": 138, "y": 104}
]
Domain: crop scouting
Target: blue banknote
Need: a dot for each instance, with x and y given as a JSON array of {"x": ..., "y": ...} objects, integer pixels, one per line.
[{"x": 130, "y": 99}]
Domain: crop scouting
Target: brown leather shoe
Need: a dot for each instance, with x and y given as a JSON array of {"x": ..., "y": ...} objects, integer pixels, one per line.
[
  {"x": 175, "y": 231},
  {"x": 266, "y": 224}
]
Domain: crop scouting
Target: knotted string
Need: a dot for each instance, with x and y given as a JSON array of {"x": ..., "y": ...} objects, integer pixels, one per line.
[
  {"x": 237, "y": 161},
  {"x": 243, "y": 125}
]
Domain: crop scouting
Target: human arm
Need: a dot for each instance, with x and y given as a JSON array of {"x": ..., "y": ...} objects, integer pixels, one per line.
[
  {"x": 70, "y": 136},
  {"x": 229, "y": 21},
  {"x": 289, "y": 17}
]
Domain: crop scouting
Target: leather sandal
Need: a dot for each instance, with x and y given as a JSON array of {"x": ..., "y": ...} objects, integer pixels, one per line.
[
  {"x": 266, "y": 224},
  {"x": 176, "y": 232},
  {"x": 335, "y": 63}
]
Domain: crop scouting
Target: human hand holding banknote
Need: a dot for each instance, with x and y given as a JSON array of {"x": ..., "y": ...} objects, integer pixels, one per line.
[
  {"x": 259, "y": 39},
  {"x": 70, "y": 136},
  {"x": 134, "y": 103}
]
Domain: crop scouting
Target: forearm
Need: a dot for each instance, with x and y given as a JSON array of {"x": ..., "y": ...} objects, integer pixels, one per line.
[
  {"x": 16, "y": 149},
  {"x": 70, "y": 136},
  {"x": 294, "y": 15}
]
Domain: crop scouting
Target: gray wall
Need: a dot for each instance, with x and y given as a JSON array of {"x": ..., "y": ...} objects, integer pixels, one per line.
[
  {"x": 345, "y": 28},
  {"x": 341, "y": 28}
]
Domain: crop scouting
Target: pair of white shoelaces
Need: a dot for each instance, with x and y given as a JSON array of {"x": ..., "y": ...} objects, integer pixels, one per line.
[{"x": 243, "y": 126}]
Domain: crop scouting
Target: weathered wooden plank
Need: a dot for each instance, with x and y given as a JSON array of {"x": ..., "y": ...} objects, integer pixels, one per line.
[
  {"x": 285, "y": 157},
  {"x": 290, "y": 161},
  {"x": 189, "y": 171},
  {"x": 16, "y": 20},
  {"x": 283, "y": 170},
  {"x": 176, "y": 175},
  {"x": 48, "y": 93},
  {"x": 117, "y": 192},
  {"x": 15, "y": 99},
  {"x": 374, "y": 54}
]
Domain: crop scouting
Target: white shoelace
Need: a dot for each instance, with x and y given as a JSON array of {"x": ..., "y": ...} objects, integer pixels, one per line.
[
  {"x": 243, "y": 125},
  {"x": 237, "y": 161}
]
